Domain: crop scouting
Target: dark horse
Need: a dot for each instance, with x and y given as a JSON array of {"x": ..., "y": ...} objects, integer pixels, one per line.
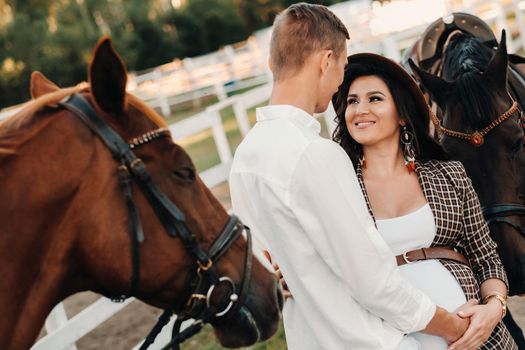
[
  {"x": 69, "y": 216},
  {"x": 481, "y": 126}
]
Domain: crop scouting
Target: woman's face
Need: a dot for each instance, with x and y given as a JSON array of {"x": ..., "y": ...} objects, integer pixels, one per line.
[{"x": 371, "y": 115}]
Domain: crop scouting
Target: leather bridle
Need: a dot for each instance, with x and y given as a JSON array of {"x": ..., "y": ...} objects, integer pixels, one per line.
[
  {"x": 497, "y": 213},
  {"x": 476, "y": 138},
  {"x": 203, "y": 279}
]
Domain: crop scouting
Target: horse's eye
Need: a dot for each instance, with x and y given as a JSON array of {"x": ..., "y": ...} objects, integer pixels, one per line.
[{"x": 186, "y": 174}]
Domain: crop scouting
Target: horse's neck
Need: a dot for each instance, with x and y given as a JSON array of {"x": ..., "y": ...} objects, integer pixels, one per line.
[{"x": 35, "y": 240}]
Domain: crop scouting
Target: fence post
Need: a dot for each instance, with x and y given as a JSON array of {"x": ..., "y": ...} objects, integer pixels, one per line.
[
  {"x": 258, "y": 63},
  {"x": 219, "y": 135},
  {"x": 161, "y": 97},
  {"x": 329, "y": 116},
  {"x": 56, "y": 319},
  {"x": 242, "y": 117},
  {"x": 501, "y": 23},
  {"x": 520, "y": 19},
  {"x": 230, "y": 61},
  {"x": 218, "y": 87}
]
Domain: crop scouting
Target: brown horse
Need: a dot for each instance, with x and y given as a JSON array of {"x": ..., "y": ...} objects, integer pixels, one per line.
[
  {"x": 64, "y": 224},
  {"x": 481, "y": 126}
]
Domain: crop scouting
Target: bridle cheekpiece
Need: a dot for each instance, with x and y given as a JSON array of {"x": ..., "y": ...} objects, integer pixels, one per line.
[{"x": 205, "y": 279}]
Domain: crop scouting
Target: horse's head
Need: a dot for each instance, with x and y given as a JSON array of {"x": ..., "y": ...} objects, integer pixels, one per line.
[
  {"x": 480, "y": 124},
  {"x": 100, "y": 229}
]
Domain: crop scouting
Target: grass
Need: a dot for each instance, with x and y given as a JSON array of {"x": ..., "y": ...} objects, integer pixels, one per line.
[
  {"x": 201, "y": 147},
  {"x": 188, "y": 109},
  {"x": 205, "y": 340}
]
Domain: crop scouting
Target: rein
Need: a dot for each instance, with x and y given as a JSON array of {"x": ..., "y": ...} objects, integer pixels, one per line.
[
  {"x": 205, "y": 281},
  {"x": 499, "y": 213}
]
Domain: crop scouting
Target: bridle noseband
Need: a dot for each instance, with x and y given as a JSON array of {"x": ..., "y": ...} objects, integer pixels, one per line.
[{"x": 205, "y": 278}]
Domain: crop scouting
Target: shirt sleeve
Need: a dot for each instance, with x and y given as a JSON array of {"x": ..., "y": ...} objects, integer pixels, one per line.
[
  {"x": 480, "y": 249},
  {"x": 326, "y": 199}
]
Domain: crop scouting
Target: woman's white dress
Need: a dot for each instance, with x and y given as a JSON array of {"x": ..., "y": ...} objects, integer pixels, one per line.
[{"x": 417, "y": 230}]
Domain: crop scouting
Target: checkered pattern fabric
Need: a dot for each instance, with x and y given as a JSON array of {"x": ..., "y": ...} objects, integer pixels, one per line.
[{"x": 460, "y": 224}]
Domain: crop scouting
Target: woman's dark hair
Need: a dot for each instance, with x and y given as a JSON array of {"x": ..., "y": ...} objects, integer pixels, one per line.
[{"x": 425, "y": 147}]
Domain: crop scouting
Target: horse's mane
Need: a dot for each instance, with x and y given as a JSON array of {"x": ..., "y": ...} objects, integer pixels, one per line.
[
  {"x": 24, "y": 116},
  {"x": 18, "y": 129},
  {"x": 466, "y": 58},
  {"x": 11, "y": 137},
  {"x": 148, "y": 111}
]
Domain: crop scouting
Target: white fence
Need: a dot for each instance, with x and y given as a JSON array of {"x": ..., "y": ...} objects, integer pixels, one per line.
[
  {"x": 63, "y": 333},
  {"x": 232, "y": 68}
]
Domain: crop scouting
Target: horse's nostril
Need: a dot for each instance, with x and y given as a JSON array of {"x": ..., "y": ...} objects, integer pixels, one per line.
[{"x": 280, "y": 298}]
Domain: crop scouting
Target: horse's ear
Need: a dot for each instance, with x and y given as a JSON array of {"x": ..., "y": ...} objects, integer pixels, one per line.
[
  {"x": 108, "y": 77},
  {"x": 496, "y": 72},
  {"x": 40, "y": 85},
  {"x": 438, "y": 88}
]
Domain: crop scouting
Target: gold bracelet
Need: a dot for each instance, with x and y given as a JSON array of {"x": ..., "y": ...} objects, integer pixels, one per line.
[{"x": 501, "y": 298}]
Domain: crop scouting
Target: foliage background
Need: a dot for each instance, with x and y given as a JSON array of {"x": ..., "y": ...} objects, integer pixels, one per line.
[{"x": 56, "y": 37}]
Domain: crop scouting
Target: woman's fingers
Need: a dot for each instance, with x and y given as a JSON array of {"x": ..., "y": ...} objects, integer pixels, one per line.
[
  {"x": 483, "y": 319},
  {"x": 278, "y": 273},
  {"x": 267, "y": 255}
]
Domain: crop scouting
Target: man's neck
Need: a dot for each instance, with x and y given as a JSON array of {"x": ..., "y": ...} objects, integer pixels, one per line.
[{"x": 297, "y": 91}]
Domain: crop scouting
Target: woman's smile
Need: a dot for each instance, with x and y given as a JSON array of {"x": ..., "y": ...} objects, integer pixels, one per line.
[{"x": 363, "y": 124}]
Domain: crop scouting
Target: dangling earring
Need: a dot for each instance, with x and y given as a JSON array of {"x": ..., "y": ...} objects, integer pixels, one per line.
[
  {"x": 362, "y": 162},
  {"x": 407, "y": 139}
]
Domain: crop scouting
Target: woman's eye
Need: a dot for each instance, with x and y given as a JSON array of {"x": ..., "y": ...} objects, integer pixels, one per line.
[
  {"x": 375, "y": 99},
  {"x": 186, "y": 174},
  {"x": 351, "y": 101}
]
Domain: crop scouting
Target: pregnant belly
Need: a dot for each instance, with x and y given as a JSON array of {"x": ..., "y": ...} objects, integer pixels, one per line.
[{"x": 436, "y": 281}]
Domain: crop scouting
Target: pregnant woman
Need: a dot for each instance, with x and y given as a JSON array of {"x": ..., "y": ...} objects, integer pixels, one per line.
[{"x": 420, "y": 200}]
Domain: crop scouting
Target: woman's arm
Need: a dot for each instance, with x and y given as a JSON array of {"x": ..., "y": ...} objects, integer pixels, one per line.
[
  {"x": 488, "y": 269},
  {"x": 484, "y": 317},
  {"x": 480, "y": 249}
]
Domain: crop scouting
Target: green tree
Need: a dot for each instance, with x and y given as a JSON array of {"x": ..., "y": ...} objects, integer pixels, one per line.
[
  {"x": 205, "y": 25},
  {"x": 58, "y": 36}
]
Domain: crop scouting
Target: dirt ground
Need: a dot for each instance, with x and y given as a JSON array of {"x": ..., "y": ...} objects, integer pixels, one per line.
[{"x": 131, "y": 325}]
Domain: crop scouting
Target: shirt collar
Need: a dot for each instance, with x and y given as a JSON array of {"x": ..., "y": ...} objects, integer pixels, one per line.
[{"x": 288, "y": 111}]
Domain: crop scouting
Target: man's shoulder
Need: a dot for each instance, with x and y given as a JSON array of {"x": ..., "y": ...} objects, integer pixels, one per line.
[
  {"x": 324, "y": 146},
  {"x": 275, "y": 140}
]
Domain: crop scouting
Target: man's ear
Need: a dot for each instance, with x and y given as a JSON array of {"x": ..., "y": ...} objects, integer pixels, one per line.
[{"x": 326, "y": 57}]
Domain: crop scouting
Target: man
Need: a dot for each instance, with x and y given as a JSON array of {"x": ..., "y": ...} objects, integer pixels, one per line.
[{"x": 300, "y": 195}]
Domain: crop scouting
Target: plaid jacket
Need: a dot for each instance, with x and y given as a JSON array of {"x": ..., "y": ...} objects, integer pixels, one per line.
[{"x": 460, "y": 224}]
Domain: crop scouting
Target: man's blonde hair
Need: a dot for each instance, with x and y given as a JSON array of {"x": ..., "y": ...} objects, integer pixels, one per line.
[{"x": 298, "y": 32}]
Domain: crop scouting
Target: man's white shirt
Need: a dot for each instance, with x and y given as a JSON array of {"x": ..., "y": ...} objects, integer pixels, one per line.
[{"x": 299, "y": 194}]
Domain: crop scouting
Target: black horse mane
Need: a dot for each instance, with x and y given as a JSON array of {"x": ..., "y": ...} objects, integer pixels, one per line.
[{"x": 465, "y": 60}]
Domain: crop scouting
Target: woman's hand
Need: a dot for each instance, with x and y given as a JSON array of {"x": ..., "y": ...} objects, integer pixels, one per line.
[
  {"x": 286, "y": 291},
  {"x": 483, "y": 319}
]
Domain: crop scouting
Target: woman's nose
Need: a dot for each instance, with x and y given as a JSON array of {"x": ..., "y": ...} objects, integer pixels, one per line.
[{"x": 362, "y": 109}]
